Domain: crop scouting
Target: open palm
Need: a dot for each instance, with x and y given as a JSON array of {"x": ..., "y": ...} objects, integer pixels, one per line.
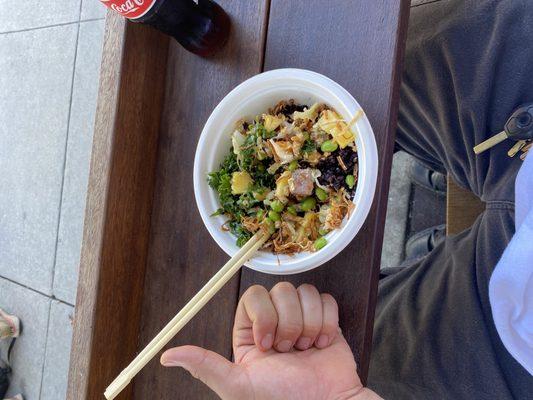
[
  {"x": 310, "y": 374},
  {"x": 287, "y": 345}
]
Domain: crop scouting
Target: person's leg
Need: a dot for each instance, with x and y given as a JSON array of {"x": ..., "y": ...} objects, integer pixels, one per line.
[
  {"x": 434, "y": 336},
  {"x": 468, "y": 65}
]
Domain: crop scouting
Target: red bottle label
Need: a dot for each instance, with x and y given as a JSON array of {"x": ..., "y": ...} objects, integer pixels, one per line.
[{"x": 131, "y": 9}]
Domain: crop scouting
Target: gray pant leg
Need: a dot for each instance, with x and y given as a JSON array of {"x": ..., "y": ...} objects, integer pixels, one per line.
[
  {"x": 468, "y": 65},
  {"x": 434, "y": 336}
]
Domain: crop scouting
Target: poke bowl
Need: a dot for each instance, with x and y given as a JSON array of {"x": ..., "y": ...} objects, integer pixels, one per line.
[{"x": 285, "y": 97}]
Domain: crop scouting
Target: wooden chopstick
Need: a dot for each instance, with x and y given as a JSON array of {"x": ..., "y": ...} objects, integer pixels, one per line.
[
  {"x": 242, "y": 251},
  {"x": 186, "y": 314}
]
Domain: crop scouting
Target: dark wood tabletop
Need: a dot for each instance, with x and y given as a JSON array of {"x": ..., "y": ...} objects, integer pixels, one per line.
[{"x": 146, "y": 251}]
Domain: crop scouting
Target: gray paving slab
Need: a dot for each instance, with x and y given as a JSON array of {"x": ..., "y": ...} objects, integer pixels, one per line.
[
  {"x": 35, "y": 90},
  {"x": 84, "y": 95},
  {"x": 91, "y": 9},
  {"x": 397, "y": 210},
  {"x": 17, "y": 15},
  {"x": 56, "y": 361},
  {"x": 28, "y": 354}
]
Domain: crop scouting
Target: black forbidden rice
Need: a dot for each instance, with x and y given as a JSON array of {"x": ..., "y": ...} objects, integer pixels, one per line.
[
  {"x": 288, "y": 108},
  {"x": 332, "y": 173}
]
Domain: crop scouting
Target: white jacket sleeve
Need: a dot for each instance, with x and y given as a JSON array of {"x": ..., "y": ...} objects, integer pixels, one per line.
[{"x": 511, "y": 284}]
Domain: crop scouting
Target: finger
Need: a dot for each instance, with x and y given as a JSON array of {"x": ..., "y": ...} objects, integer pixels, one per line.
[
  {"x": 255, "y": 320},
  {"x": 211, "y": 368},
  {"x": 330, "y": 321},
  {"x": 339, "y": 338},
  {"x": 311, "y": 305},
  {"x": 290, "y": 321}
]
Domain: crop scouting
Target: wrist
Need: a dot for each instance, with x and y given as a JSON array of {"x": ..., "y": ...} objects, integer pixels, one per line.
[
  {"x": 361, "y": 393},
  {"x": 367, "y": 394}
]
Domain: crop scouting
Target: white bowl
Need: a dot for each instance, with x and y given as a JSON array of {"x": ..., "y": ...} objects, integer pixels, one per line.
[{"x": 253, "y": 97}]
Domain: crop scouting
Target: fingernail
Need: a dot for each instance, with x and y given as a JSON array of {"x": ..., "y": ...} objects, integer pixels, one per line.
[
  {"x": 266, "y": 342},
  {"x": 322, "y": 341},
  {"x": 303, "y": 343},
  {"x": 284, "y": 346},
  {"x": 170, "y": 364}
]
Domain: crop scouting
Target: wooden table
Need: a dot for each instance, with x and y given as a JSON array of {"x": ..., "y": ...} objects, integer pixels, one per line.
[{"x": 145, "y": 249}]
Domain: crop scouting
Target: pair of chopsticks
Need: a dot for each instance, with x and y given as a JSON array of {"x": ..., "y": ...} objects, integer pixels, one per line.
[{"x": 186, "y": 314}]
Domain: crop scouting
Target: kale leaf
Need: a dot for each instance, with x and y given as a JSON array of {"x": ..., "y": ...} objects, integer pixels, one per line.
[
  {"x": 309, "y": 146},
  {"x": 221, "y": 181}
]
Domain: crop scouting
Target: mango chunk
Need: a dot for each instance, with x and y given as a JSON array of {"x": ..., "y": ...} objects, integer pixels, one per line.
[
  {"x": 333, "y": 124},
  {"x": 240, "y": 182}
]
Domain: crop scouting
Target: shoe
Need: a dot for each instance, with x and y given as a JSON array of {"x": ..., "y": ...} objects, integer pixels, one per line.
[
  {"x": 10, "y": 328},
  {"x": 17, "y": 397},
  {"x": 431, "y": 180},
  {"x": 4, "y": 379},
  {"x": 421, "y": 243},
  {"x": 10, "y": 325}
]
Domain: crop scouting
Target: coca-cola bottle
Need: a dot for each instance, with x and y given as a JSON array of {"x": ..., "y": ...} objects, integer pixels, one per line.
[{"x": 201, "y": 26}]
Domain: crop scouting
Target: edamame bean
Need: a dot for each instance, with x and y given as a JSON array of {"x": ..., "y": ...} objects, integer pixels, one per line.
[
  {"x": 321, "y": 194},
  {"x": 293, "y": 165},
  {"x": 308, "y": 204},
  {"x": 291, "y": 210},
  {"x": 350, "y": 181},
  {"x": 329, "y": 146},
  {"x": 274, "y": 216},
  {"x": 277, "y": 206},
  {"x": 320, "y": 243}
]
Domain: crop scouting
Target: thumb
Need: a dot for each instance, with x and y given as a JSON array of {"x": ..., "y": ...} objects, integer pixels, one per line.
[{"x": 211, "y": 368}]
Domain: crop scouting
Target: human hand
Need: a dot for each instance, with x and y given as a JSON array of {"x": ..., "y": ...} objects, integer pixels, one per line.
[{"x": 287, "y": 345}]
